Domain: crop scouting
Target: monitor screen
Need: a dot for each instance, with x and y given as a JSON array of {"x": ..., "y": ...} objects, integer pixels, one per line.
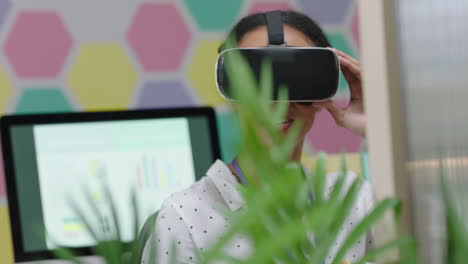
[{"x": 54, "y": 164}]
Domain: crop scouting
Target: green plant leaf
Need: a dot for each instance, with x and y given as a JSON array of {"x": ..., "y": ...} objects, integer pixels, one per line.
[
  {"x": 115, "y": 245},
  {"x": 135, "y": 246},
  {"x": 319, "y": 177},
  {"x": 364, "y": 226},
  {"x": 344, "y": 165},
  {"x": 102, "y": 248},
  {"x": 374, "y": 253},
  {"x": 327, "y": 239},
  {"x": 66, "y": 254}
]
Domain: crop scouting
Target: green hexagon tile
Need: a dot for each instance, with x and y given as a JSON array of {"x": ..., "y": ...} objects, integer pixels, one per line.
[
  {"x": 42, "y": 100},
  {"x": 214, "y": 15}
]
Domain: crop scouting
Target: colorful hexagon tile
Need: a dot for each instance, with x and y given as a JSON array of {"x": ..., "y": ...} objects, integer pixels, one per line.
[
  {"x": 259, "y": 7},
  {"x": 214, "y": 14},
  {"x": 37, "y": 44},
  {"x": 165, "y": 94},
  {"x": 329, "y": 12},
  {"x": 42, "y": 100},
  {"x": 159, "y": 47},
  {"x": 202, "y": 72},
  {"x": 341, "y": 42},
  {"x": 6, "y": 245},
  {"x": 354, "y": 29},
  {"x": 326, "y": 136},
  {"x": 102, "y": 77},
  {"x": 6, "y": 90},
  {"x": 5, "y": 6}
]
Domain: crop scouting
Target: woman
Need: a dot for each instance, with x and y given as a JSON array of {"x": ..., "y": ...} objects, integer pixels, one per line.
[{"x": 191, "y": 218}]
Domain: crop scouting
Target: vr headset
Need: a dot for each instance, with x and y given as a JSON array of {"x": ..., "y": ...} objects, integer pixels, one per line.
[{"x": 309, "y": 74}]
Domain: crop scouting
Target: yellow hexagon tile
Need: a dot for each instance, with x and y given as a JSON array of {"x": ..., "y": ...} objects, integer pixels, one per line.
[
  {"x": 6, "y": 90},
  {"x": 6, "y": 244},
  {"x": 202, "y": 72},
  {"x": 102, "y": 77}
]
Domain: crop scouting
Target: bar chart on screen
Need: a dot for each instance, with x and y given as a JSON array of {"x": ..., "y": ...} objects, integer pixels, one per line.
[
  {"x": 153, "y": 173},
  {"x": 78, "y": 162}
]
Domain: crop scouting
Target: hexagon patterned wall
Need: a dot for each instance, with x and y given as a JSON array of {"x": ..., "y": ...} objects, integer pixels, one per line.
[
  {"x": 102, "y": 77},
  {"x": 175, "y": 94},
  {"x": 201, "y": 72},
  {"x": 330, "y": 12},
  {"x": 5, "y": 6},
  {"x": 38, "y": 44},
  {"x": 6, "y": 89},
  {"x": 258, "y": 7},
  {"x": 158, "y": 47},
  {"x": 214, "y": 15},
  {"x": 42, "y": 99},
  {"x": 142, "y": 54}
]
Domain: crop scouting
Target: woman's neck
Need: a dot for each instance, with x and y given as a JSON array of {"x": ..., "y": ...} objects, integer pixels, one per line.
[
  {"x": 295, "y": 156},
  {"x": 297, "y": 152}
]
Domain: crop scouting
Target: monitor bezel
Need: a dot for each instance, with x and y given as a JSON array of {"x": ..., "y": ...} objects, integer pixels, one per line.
[{"x": 6, "y": 122}]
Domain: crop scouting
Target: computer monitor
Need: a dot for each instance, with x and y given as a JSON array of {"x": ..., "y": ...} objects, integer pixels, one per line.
[{"x": 51, "y": 159}]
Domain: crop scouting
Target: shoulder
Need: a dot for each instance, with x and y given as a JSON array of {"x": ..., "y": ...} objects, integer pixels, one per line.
[
  {"x": 365, "y": 196},
  {"x": 175, "y": 223},
  {"x": 202, "y": 193},
  {"x": 351, "y": 176},
  {"x": 192, "y": 204},
  {"x": 196, "y": 195}
]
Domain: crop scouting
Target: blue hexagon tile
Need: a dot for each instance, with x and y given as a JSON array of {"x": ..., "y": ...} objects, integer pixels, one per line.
[
  {"x": 326, "y": 12},
  {"x": 5, "y": 6},
  {"x": 159, "y": 94}
]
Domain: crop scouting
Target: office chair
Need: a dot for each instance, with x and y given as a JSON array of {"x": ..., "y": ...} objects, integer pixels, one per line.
[{"x": 144, "y": 235}]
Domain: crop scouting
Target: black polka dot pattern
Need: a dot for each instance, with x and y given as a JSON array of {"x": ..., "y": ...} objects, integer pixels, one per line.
[{"x": 191, "y": 220}]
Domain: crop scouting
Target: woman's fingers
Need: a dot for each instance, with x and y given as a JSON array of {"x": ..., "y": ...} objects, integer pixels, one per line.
[
  {"x": 336, "y": 111},
  {"x": 349, "y": 62},
  {"x": 355, "y": 86},
  {"x": 340, "y": 53},
  {"x": 352, "y": 74},
  {"x": 353, "y": 68},
  {"x": 353, "y": 121},
  {"x": 349, "y": 76}
]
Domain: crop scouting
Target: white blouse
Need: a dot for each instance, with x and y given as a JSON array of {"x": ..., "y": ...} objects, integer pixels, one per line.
[{"x": 190, "y": 219}]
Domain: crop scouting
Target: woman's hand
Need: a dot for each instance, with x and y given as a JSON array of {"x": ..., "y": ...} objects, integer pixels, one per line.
[{"x": 351, "y": 117}]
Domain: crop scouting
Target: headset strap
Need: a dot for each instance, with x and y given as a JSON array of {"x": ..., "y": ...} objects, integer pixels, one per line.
[{"x": 275, "y": 28}]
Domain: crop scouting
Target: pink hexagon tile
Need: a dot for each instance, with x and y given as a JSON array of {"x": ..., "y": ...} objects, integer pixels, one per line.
[
  {"x": 159, "y": 46},
  {"x": 259, "y": 7},
  {"x": 37, "y": 44},
  {"x": 354, "y": 29}
]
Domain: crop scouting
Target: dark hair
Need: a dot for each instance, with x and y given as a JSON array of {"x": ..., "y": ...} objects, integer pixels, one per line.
[{"x": 297, "y": 20}]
